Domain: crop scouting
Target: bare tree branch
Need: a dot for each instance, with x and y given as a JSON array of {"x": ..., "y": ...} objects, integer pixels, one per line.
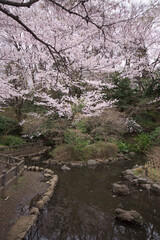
[
  {"x": 52, "y": 50},
  {"x": 18, "y": 4}
]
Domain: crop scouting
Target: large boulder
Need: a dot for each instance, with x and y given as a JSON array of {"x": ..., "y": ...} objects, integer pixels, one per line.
[
  {"x": 128, "y": 216},
  {"x": 120, "y": 189}
]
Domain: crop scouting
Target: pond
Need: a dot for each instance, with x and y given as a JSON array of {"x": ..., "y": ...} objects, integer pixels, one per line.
[{"x": 83, "y": 206}]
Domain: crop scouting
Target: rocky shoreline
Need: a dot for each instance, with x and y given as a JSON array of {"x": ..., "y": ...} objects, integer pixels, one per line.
[
  {"x": 90, "y": 162},
  {"x": 141, "y": 181}
]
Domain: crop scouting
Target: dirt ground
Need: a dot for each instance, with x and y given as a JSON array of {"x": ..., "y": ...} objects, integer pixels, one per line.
[{"x": 18, "y": 199}]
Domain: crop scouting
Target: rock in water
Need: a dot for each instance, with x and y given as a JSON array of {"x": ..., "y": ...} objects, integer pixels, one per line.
[
  {"x": 65, "y": 168},
  {"x": 92, "y": 162},
  {"x": 120, "y": 189},
  {"x": 129, "y": 216}
]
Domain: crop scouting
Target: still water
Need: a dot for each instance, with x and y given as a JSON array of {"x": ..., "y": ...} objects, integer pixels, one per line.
[{"x": 83, "y": 205}]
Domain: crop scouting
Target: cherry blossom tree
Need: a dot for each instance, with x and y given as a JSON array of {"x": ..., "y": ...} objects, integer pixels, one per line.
[{"x": 59, "y": 44}]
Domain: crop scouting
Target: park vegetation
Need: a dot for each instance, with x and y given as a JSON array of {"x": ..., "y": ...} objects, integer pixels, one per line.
[{"x": 81, "y": 75}]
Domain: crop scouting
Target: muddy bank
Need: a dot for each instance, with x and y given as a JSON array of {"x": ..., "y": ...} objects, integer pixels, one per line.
[{"x": 17, "y": 201}]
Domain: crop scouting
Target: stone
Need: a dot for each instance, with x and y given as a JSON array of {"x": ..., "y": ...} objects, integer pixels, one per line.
[
  {"x": 129, "y": 177},
  {"x": 146, "y": 186},
  {"x": 40, "y": 204},
  {"x": 142, "y": 180},
  {"x": 34, "y": 210},
  {"x": 53, "y": 162},
  {"x": 41, "y": 169},
  {"x": 132, "y": 154},
  {"x": 54, "y": 181},
  {"x": 135, "y": 181},
  {"x": 33, "y": 168},
  {"x": 45, "y": 199},
  {"x": 30, "y": 168},
  {"x": 47, "y": 162},
  {"x": 92, "y": 162},
  {"x": 25, "y": 167},
  {"x": 111, "y": 159},
  {"x": 106, "y": 161},
  {"x": 120, "y": 155},
  {"x": 49, "y": 171},
  {"x": 128, "y": 172},
  {"x": 47, "y": 175},
  {"x": 155, "y": 188},
  {"x": 37, "y": 169},
  {"x": 121, "y": 158},
  {"x": 129, "y": 216},
  {"x": 49, "y": 193},
  {"x": 37, "y": 158},
  {"x": 120, "y": 189},
  {"x": 65, "y": 168},
  {"x": 21, "y": 227},
  {"x": 77, "y": 164}
]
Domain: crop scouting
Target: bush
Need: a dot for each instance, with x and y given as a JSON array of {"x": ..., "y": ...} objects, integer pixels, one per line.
[
  {"x": 8, "y": 125},
  {"x": 77, "y": 141},
  {"x": 122, "y": 92},
  {"x": 149, "y": 120},
  {"x": 142, "y": 143},
  {"x": 63, "y": 153},
  {"x": 67, "y": 152},
  {"x": 32, "y": 125},
  {"x": 81, "y": 125},
  {"x": 109, "y": 123},
  {"x": 122, "y": 146},
  {"x": 153, "y": 164},
  {"x": 155, "y": 136},
  {"x": 100, "y": 150},
  {"x": 76, "y": 138},
  {"x": 11, "y": 140}
]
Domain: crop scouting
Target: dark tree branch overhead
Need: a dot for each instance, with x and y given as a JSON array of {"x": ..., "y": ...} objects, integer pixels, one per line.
[
  {"x": 18, "y": 4},
  {"x": 73, "y": 9},
  {"x": 52, "y": 50}
]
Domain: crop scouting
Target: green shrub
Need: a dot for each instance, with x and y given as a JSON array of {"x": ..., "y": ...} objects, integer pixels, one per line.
[
  {"x": 121, "y": 91},
  {"x": 81, "y": 125},
  {"x": 155, "y": 136},
  {"x": 10, "y": 140},
  {"x": 67, "y": 152},
  {"x": 100, "y": 150},
  {"x": 142, "y": 143},
  {"x": 122, "y": 146},
  {"x": 149, "y": 120},
  {"x": 77, "y": 141},
  {"x": 76, "y": 138},
  {"x": 62, "y": 153},
  {"x": 7, "y": 125}
]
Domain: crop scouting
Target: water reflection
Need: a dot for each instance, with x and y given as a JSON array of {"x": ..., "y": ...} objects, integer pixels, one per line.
[{"x": 83, "y": 208}]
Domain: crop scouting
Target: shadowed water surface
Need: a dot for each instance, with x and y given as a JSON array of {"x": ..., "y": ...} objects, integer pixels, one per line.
[{"x": 83, "y": 207}]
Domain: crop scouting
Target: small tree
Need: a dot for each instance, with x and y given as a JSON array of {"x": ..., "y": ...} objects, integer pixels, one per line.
[{"x": 122, "y": 92}]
